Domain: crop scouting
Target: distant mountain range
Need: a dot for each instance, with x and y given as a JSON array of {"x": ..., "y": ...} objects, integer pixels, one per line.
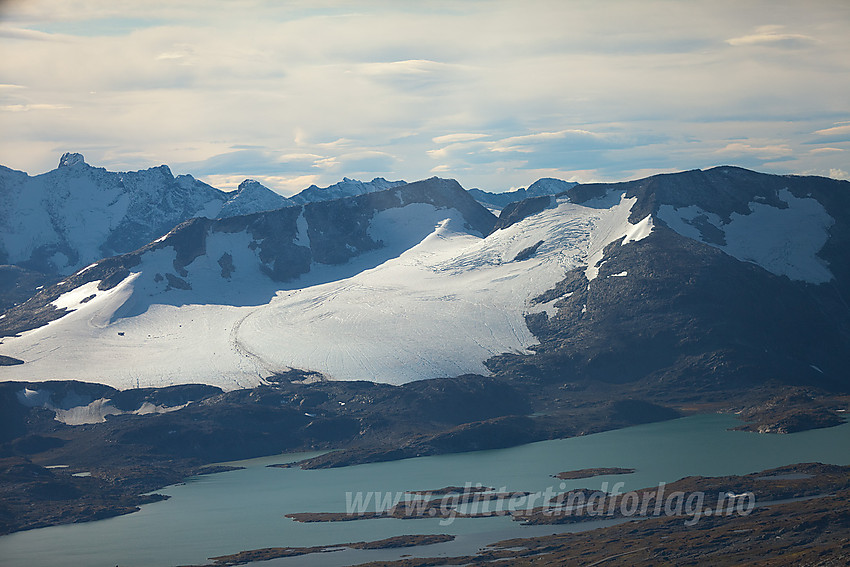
[
  {"x": 63, "y": 220},
  {"x": 67, "y": 218},
  {"x": 690, "y": 282},
  {"x": 253, "y": 197}
]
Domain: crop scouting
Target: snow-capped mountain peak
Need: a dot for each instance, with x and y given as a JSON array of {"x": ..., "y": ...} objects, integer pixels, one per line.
[
  {"x": 252, "y": 197},
  {"x": 548, "y": 186},
  {"x": 70, "y": 159},
  {"x": 541, "y": 187},
  {"x": 67, "y": 218}
]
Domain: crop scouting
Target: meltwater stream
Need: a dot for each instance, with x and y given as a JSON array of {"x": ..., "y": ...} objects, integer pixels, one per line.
[{"x": 239, "y": 510}]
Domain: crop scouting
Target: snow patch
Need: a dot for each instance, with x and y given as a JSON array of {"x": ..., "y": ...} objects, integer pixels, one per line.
[
  {"x": 74, "y": 409},
  {"x": 87, "y": 268},
  {"x": 94, "y": 412},
  {"x": 683, "y": 220},
  {"x": 148, "y": 408},
  {"x": 73, "y": 299},
  {"x": 620, "y": 275},
  {"x": 638, "y": 231},
  {"x": 548, "y": 308},
  {"x": 784, "y": 242},
  {"x": 613, "y": 225}
]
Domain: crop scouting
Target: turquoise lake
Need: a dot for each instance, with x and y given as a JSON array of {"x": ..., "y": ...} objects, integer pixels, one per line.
[{"x": 229, "y": 512}]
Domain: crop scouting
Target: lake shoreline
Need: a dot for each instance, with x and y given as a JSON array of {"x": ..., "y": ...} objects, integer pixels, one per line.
[
  {"x": 219, "y": 514},
  {"x": 808, "y": 492},
  {"x": 129, "y": 457}
]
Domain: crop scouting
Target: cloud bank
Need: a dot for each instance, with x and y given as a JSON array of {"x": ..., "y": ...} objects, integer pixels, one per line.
[{"x": 494, "y": 93}]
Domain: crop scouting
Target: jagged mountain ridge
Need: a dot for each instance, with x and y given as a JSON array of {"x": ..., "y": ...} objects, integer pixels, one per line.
[
  {"x": 542, "y": 187},
  {"x": 66, "y": 218},
  {"x": 251, "y": 197},
  {"x": 345, "y": 188},
  {"x": 254, "y": 197},
  {"x": 76, "y": 214}
]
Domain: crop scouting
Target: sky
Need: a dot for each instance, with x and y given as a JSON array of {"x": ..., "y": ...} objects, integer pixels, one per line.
[{"x": 495, "y": 94}]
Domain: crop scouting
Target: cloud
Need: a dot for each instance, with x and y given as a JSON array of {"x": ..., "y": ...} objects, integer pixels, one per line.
[
  {"x": 368, "y": 161},
  {"x": 490, "y": 92},
  {"x": 30, "y": 107},
  {"x": 835, "y": 130},
  {"x": 411, "y": 67},
  {"x": 844, "y": 129},
  {"x": 772, "y": 36},
  {"x": 29, "y": 35},
  {"x": 565, "y": 139},
  {"x": 180, "y": 53},
  {"x": 251, "y": 162},
  {"x": 548, "y": 151},
  {"x": 766, "y": 152},
  {"x": 459, "y": 137},
  {"x": 838, "y": 133},
  {"x": 411, "y": 74}
]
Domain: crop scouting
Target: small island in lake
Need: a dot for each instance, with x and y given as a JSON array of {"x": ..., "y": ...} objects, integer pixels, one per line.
[
  {"x": 266, "y": 554},
  {"x": 461, "y": 490},
  {"x": 588, "y": 473}
]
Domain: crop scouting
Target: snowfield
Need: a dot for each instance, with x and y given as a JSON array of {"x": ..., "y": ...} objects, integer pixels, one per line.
[
  {"x": 769, "y": 237},
  {"x": 421, "y": 307}
]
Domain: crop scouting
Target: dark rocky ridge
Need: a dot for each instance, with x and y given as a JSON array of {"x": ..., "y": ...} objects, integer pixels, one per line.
[
  {"x": 515, "y": 212},
  {"x": 726, "y": 189},
  {"x": 687, "y": 313},
  {"x": 18, "y": 284}
]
